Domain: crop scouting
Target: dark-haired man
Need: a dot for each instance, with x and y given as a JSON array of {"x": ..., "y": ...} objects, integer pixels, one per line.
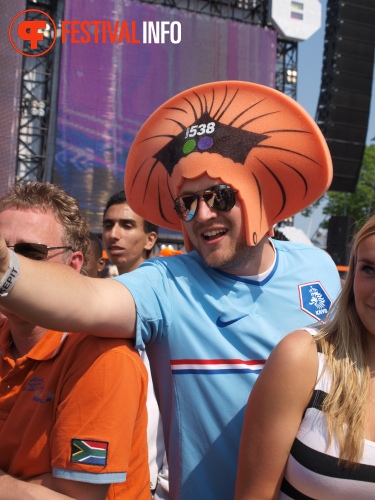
[
  {"x": 129, "y": 241},
  {"x": 127, "y": 238}
]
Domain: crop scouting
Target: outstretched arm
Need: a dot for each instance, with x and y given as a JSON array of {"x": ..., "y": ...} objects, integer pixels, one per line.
[
  {"x": 273, "y": 415},
  {"x": 57, "y": 297}
]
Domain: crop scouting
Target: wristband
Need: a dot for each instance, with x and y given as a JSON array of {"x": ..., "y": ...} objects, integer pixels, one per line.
[{"x": 11, "y": 275}]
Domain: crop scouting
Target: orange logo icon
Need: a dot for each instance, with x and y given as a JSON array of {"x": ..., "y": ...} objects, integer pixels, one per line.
[{"x": 32, "y": 31}]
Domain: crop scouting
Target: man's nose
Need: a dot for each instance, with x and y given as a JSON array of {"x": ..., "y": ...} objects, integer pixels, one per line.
[
  {"x": 204, "y": 212},
  {"x": 114, "y": 232}
]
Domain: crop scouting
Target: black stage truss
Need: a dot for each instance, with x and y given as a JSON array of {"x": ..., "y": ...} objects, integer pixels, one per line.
[{"x": 40, "y": 76}]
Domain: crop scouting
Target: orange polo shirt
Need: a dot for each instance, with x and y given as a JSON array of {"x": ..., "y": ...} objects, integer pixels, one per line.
[{"x": 75, "y": 406}]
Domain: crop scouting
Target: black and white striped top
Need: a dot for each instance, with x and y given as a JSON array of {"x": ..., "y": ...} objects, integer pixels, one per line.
[{"x": 312, "y": 470}]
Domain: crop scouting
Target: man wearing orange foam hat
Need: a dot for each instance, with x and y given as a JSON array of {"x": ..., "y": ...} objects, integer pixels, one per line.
[{"x": 223, "y": 162}]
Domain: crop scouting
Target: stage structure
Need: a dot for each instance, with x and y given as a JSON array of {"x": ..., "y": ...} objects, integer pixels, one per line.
[
  {"x": 40, "y": 77},
  {"x": 345, "y": 92},
  {"x": 107, "y": 91},
  {"x": 38, "y": 97},
  {"x": 70, "y": 136}
]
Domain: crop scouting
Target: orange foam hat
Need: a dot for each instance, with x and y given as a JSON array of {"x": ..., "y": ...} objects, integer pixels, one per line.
[{"x": 256, "y": 139}]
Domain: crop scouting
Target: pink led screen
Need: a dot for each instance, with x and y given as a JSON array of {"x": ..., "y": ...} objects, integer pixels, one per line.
[{"x": 107, "y": 90}]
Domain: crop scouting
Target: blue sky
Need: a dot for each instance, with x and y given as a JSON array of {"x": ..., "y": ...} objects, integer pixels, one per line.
[{"x": 310, "y": 62}]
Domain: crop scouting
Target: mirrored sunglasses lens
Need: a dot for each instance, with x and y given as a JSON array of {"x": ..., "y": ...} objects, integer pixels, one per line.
[
  {"x": 219, "y": 197},
  {"x": 209, "y": 198},
  {"x": 186, "y": 206},
  {"x": 34, "y": 251},
  {"x": 191, "y": 207},
  {"x": 224, "y": 199}
]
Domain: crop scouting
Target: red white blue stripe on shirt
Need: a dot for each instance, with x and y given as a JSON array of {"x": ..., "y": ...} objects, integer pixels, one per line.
[{"x": 216, "y": 366}]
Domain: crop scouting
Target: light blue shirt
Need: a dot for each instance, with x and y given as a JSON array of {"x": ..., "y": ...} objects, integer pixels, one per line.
[{"x": 208, "y": 335}]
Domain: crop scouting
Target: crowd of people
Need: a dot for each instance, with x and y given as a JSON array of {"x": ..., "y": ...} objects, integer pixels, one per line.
[{"x": 222, "y": 163}]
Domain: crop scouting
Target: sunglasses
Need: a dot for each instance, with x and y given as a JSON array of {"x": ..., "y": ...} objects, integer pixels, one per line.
[
  {"x": 35, "y": 251},
  {"x": 220, "y": 197}
]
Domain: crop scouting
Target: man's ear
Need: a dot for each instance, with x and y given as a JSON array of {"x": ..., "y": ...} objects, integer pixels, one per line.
[
  {"x": 76, "y": 261},
  {"x": 101, "y": 265},
  {"x": 152, "y": 236}
]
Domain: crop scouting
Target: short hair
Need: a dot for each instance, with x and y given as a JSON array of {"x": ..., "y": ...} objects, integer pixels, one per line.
[
  {"x": 96, "y": 246},
  {"x": 44, "y": 196},
  {"x": 119, "y": 198}
]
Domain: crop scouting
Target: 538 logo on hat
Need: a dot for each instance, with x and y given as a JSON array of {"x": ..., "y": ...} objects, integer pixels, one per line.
[{"x": 314, "y": 300}]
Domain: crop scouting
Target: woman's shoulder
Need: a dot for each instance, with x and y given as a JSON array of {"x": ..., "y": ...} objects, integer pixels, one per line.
[
  {"x": 298, "y": 344},
  {"x": 296, "y": 354},
  {"x": 289, "y": 377}
]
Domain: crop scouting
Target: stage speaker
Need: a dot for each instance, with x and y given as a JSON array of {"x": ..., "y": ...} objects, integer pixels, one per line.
[
  {"x": 341, "y": 229},
  {"x": 345, "y": 93}
]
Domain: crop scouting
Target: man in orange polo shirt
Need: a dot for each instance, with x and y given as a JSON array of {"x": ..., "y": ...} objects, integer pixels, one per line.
[{"x": 72, "y": 407}]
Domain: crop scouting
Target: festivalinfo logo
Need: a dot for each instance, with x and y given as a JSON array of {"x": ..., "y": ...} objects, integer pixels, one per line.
[{"x": 41, "y": 33}]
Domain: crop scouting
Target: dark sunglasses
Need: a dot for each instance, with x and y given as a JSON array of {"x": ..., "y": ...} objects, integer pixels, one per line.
[
  {"x": 35, "y": 251},
  {"x": 220, "y": 197}
]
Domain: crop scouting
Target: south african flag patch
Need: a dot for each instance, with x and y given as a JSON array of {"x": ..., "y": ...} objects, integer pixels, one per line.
[{"x": 89, "y": 452}]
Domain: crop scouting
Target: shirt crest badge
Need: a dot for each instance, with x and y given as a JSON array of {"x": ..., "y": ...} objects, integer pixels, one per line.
[{"x": 314, "y": 300}]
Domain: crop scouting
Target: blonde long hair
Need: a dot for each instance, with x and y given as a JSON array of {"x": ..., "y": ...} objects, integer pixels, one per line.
[{"x": 343, "y": 342}]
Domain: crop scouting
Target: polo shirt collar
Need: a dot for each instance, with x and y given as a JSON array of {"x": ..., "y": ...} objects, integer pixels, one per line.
[{"x": 47, "y": 347}]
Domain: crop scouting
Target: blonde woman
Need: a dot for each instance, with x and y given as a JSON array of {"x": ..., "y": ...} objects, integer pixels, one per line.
[{"x": 309, "y": 428}]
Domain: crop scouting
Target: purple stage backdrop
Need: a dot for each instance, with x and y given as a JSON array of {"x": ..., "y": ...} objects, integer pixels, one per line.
[{"x": 107, "y": 90}]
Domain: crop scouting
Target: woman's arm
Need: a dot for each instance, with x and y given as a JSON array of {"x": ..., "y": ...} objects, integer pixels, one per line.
[{"x": 273, "y": 416}]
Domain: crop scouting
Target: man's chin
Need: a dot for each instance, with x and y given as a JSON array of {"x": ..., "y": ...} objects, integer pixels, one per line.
[
  {"x": 216, "y": 260},
  {"x": 229, "y": 262}
]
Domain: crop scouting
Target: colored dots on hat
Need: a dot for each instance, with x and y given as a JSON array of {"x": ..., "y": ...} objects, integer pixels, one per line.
[
  {"x": 205, "y": 143},
  {"x": 189, "y": 146}
]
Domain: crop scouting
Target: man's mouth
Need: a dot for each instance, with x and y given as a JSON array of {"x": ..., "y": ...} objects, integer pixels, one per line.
[
  {"x": 216, "y": 233},
  {"x": 115, "y": 249}
]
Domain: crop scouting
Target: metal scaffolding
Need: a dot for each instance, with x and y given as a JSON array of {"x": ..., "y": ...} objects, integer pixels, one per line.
[
  {"x": 286, "y": 67},
  {"x": 38, "y": 96},
  {"x": 248, "y": 11}
]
